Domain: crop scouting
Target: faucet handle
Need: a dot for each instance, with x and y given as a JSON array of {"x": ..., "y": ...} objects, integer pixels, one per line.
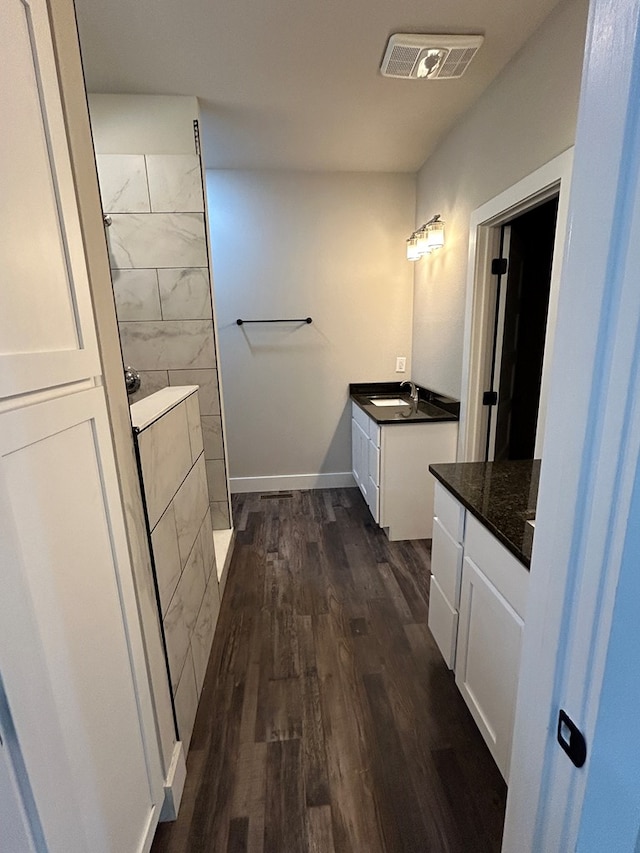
[{"x": 415, "y": 394}]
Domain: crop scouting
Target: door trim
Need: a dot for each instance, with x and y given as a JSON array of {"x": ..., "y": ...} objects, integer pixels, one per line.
[
  {"x": 484, "y": 244},
  {"x": 495, "y": 363}
]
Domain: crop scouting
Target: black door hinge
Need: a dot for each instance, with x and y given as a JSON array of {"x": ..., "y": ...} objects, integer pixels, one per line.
[
  {"x": 490, "y": 398},
  {"x": 571, "y": 739},
  {"x": 498, "y": 266},
  {"x": 196, "y": 135}
]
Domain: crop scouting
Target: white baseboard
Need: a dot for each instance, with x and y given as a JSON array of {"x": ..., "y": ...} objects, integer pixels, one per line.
[
  {"x": 174, "y": 784},
  {"x": 286, "y": 482}
]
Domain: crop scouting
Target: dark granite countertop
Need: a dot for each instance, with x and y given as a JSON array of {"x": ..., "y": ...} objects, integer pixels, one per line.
[
  {"x": 502, "y": 495},
  {"x": 431, "y": 406}
]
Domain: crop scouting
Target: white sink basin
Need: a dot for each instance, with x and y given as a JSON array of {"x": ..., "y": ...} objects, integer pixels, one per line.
[{"x": 389, "y": 401}]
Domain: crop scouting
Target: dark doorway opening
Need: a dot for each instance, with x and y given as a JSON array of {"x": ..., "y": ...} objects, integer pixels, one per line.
[{"x": 522, "y": 304}]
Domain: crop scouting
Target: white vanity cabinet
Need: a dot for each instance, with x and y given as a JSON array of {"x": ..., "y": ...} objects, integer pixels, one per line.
[
  {"x": 390, "y": 464},
  {"x": 477, "y": 606}
]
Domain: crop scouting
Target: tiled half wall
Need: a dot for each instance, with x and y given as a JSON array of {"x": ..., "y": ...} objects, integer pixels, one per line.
[
  {"x": 174, "y": 481},
  {"x": 161, "y": 282}
]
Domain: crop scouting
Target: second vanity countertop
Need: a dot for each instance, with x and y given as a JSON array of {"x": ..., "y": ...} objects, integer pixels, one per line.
[
  {"x": 501, "y": 495},
  {"x": 430, "y": 407}
]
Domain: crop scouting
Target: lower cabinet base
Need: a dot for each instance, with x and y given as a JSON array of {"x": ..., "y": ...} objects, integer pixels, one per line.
[
  {"x": 406, "y": 486},
  {"x": 477, "y": 602},
  {"x": 390, "y": 464}
]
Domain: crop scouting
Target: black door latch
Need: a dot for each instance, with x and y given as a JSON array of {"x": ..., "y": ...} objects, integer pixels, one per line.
[{"x": 571, "y": 739}]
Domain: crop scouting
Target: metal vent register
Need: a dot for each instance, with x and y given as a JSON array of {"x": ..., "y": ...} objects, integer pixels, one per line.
[{"x": 430, "y": 57}]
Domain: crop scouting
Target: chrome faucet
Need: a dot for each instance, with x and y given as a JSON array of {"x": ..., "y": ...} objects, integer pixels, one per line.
[{"x": 414, "y": 389}]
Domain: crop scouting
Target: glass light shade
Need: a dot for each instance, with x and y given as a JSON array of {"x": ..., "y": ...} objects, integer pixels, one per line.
[
  {"x": 412, "y": 249},
  {"x": 435, "y": 237},
  {"x": 423, "y": 241}
]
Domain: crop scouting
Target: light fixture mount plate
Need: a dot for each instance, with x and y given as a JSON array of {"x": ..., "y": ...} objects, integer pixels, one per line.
[{"x": 414, "y": 56}]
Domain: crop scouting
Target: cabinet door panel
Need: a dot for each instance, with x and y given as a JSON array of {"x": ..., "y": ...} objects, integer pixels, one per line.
[
  {"x": 47, "y": 335},
  {"x": 446, "y": 563},
  {"x": 488, "y": 661},
  {"x": 373, "y": 500},
  {"x": 66, "y": 652},
  {"x": 373, "y": 462},
  {"x": 360, "y": 457},
  {"x": 355, "y": 468}
]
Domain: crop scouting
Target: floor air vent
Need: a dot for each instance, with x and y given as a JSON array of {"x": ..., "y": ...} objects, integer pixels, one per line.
[
  {"x": 411, "y": 56},
  {"x": 275, "y": 496}
]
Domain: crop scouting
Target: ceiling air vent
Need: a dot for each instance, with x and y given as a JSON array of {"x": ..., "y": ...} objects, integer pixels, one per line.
[{"x": 430, "y": 57}]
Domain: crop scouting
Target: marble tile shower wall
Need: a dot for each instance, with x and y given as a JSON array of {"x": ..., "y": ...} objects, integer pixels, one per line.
[{"x": 160, "y": 274}]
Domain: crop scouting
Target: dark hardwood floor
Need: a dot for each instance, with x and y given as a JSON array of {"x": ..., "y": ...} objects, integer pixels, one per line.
[{"x": 328, "y": 721}]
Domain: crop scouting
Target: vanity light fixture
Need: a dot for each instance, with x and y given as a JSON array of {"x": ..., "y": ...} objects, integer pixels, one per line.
[
  {"x": 435, "y": 233},
  {"x": 426, "y": 239}
]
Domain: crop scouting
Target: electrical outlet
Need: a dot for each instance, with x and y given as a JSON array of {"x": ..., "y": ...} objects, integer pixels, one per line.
[{"x": 401, "y": 364}]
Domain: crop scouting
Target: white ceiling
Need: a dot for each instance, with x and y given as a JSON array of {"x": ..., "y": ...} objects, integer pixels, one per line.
[{"x": 295, "y": 84}]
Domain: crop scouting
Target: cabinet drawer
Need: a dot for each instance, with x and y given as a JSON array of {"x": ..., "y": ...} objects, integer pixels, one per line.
[
  {"x": 366, "y": 423},
  {"x": 449, "y": 512},
  {"x": 446, "y": 563},
  {"x": 443, "y": 623},
  {"x": 500, "y": 566},
  {"x": 360, "y": 417}
]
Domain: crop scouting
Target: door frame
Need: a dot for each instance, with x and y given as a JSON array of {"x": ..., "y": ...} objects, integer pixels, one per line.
[
  {"x": 484, "y": 244},
  {"x": 495, "y": 363}
]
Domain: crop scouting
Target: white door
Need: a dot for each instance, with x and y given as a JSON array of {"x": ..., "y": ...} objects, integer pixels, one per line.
[
  {"x": 586, "y": 542},
  {"x": 71, "y": 655}
]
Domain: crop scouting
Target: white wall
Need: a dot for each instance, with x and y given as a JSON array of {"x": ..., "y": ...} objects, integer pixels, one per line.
[
  {"x": 523, "y": 120},
  {"x": 297, "y": 244},
  {"x": 143, "y": 124}
]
